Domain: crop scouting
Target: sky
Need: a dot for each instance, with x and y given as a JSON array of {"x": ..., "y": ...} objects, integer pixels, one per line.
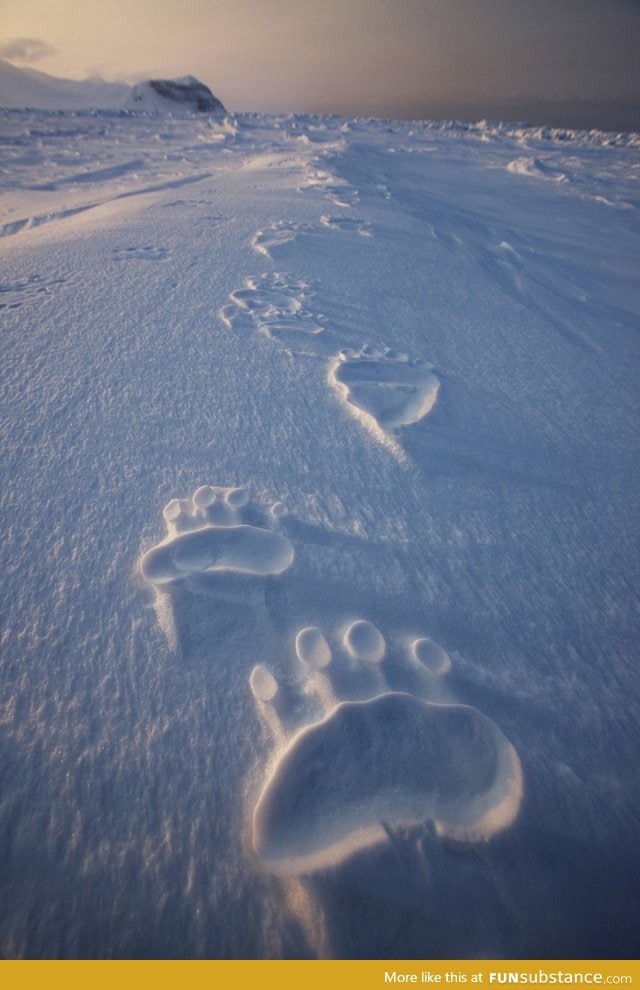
[{"x": 389, "y": 58}]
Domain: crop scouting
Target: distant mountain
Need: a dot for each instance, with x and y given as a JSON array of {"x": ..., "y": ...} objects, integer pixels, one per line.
[{"x": 29, "y": 88}]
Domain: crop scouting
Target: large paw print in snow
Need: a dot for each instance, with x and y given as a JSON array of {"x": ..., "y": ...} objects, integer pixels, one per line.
[
  {"x": 394, "y": 759},
  {"x": 218, "y": 530},
  {"x": 385, "y": 385},
  {"x": 274, "y": 304}
]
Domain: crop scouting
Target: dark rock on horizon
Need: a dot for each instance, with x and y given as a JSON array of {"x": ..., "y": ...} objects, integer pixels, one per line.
[{"x": 189, "y": 92}]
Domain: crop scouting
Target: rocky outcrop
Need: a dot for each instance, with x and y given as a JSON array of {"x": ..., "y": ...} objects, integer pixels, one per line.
[{"x": 187, "y": 93}]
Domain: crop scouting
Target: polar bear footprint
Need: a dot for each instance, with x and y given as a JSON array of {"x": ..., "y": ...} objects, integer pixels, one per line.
[
  {"x": 218, "y": 530},
  {"x": 385, "y": 385},
  {"x": 390, "y": 759}
]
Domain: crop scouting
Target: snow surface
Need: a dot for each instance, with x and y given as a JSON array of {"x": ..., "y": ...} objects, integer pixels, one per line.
[{"x": 319, "y": 566}]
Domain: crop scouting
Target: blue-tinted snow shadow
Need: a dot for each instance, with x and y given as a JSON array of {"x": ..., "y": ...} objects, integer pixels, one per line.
[
  {"x": 474, "y": 435},
  {"x": 527, "y": 894}
]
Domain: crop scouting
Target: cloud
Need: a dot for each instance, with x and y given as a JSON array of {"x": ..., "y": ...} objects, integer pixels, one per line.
[{"x": 26, "y": 49}]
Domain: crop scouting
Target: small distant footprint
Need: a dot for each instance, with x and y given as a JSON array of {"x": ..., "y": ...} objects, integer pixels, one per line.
[
  {"x": 384, "y": 190},
  {"x": 218, "y": 530},
  {"x": 274, "y": 304},
  {"x": 283, "y": 232},
  {"x": 338, "y": 191},
  {"x": 147, "y": 252},
  {"x": 348, "y": 224},
  {"x": 340, "y": 781},
  {"x": 13, "y": 295},
  {"x": 537, "y": 169},
  {"x": 385, "y": 385},
  {"x": 277, "y": 235}
]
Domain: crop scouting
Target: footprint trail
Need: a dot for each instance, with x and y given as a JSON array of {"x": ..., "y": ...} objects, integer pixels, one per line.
[{"x": 384, "y": 388}]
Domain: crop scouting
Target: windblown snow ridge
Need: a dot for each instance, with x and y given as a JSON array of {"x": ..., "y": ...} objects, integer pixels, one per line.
[
  {"x": 563, "y": 135},
  {"x": 485, "y": 129}
]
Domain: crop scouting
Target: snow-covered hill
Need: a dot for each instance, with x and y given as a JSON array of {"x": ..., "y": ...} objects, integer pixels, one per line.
[
  {"x": 23, "y": 87},
  {"x": 28, "y": 88},
  {"x": 320, "y": 499}
]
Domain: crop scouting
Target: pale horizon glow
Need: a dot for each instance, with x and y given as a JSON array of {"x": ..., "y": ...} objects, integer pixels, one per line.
[{"x": 357, "y": 57}]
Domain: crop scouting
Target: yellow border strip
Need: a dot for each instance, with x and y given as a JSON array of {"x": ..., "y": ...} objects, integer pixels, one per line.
[{"x": 330, "y": 975}]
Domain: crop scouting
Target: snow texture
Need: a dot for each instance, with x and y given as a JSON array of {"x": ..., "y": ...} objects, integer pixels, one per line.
[{"x": 367, "y": 685}]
